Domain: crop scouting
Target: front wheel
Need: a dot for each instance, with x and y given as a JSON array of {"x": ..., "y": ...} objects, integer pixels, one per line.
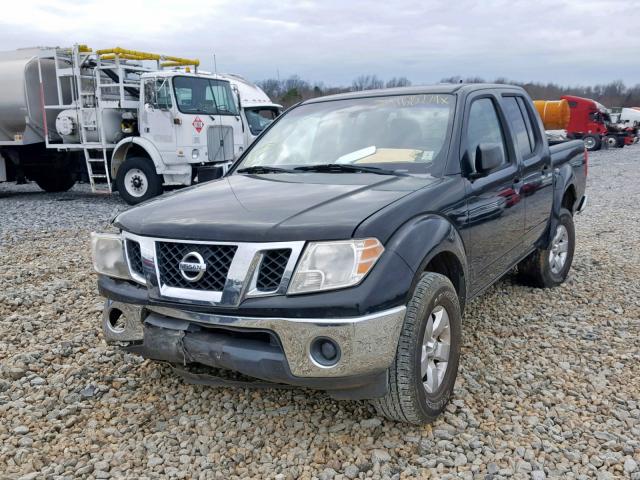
[
  {"x": 550, "y": 266},
  {"x": 423, "y": 374},
  {"x": 592, "y": 142},
  {"x": 137, "y": 180}
]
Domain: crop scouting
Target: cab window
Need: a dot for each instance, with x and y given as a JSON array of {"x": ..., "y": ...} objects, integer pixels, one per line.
[
  {"x": 484, "y": 126},
  {"x": 202, "y": 95},
  {"x": 157, "y": 93},
  {"x": 518, "y": 126},
  {"x": 259, "y": 118}
]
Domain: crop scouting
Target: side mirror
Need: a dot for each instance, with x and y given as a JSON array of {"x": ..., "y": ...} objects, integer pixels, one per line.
[{"x": 489, "y": 156}]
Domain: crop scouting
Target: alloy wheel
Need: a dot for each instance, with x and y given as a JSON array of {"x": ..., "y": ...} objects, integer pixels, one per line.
[
  {"x": 559, "y": 249},
  {"x": 436, "y": 345}
]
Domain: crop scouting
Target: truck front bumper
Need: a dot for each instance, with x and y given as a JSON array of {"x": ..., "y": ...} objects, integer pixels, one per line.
[{"x": 280, "y": 350}]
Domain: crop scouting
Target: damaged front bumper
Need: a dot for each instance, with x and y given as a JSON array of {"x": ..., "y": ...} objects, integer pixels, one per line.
[{"x": 280, "y": 350}]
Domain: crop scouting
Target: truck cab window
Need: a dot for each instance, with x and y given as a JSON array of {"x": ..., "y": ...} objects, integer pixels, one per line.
[
  {"x": 217, "y": 95},
  {"x": 207, "y": 96},
  {"x": 150, "y": 97},
  {"x": 483, "y": 127},
  {"x": 258, "y": 118},
  {"x": 518, "y": 125},
  {"x": 157, "y": 93},
  {"x": 163, "y": 97}
]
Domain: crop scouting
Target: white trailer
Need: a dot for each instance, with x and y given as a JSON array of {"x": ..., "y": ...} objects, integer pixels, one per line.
[
  {"x": 630, "y": 115},
  {"x": 146, "y": 127}
]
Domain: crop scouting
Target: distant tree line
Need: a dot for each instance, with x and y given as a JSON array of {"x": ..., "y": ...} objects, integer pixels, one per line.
[{"x": 294, "y": 89}]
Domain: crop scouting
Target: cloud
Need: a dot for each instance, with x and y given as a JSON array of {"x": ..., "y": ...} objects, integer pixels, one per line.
[{"x": 577, "y": 42}]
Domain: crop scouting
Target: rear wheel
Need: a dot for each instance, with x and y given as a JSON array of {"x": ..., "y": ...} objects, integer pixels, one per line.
[
  {"x": 592, "y": 142},
  {"x": 423, "y": 374},
  {"x": 58, "y": 180},
  {"x": 137, "y": 180},
  {"x": 550, "y": 266},
  {"x": 611, "y": 141}
]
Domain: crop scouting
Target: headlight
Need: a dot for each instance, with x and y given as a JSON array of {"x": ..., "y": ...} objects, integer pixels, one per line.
[
  {"x": 108, "y": 256},
  {"x": 195, "y": 153},
  {"x": 331, "y": 265}
]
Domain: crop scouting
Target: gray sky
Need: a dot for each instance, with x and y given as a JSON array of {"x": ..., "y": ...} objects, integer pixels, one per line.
[{"x": 569, "y": 42}]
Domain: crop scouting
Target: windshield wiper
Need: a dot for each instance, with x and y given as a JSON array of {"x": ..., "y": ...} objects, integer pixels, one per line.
[
  {"x": 263, "y": 169},
  {"x": 346, "y": 168}
]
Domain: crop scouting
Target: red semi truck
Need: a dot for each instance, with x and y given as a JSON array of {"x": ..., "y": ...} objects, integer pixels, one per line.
[{"x": 591, "y": 122}]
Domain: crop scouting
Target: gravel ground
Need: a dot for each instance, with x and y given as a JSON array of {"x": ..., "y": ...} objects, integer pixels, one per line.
[{"x": 549, "y": 385}]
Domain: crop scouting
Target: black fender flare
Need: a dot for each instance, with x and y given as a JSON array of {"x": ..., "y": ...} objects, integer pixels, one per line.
[
  {"x": 563, "y": 178},
  {"x": 421, "y": 238}
]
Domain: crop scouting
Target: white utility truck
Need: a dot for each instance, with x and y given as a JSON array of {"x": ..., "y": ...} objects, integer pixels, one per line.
[
  {"x": 143, "y": 119},
  {"x": 256, "y": 108}
]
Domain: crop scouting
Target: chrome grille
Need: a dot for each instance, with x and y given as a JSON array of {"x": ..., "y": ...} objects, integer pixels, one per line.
[
  {"x": 217, "y": 258},
  {"x": 234, "y": 271},
  {"x": 271, "y": 269},
  {"x": 220, "y": 143},
  {"x": 135, "y": 257}
]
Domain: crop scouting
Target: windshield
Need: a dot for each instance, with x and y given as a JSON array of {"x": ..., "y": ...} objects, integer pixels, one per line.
[
  {"x": 406, "y": 132},
  {"x": 259, "y": 117},
  {"x": 204, "y": 95}
]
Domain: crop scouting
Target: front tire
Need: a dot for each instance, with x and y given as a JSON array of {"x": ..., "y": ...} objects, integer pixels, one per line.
[
  {"x": 550, "y": 266},
  {"x": 423, "y": 374},
  {"x": 592, "y": 142},
  {"x": 137, "y": 180}
]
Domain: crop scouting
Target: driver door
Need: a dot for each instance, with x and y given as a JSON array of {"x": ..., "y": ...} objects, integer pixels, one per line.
[
  {"x": 495, "y": 224},
  {"x": 157, "y": 117}
]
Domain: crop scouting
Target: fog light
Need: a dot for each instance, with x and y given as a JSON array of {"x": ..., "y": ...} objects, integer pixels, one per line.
[
  {"x": 324, "y": 351},
  {"x": 195, "y": 153}
]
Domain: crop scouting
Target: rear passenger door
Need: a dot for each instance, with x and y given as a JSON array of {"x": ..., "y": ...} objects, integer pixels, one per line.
[
  {"x": 495, "y": 220},
  {"x": 537, "y": 177}
]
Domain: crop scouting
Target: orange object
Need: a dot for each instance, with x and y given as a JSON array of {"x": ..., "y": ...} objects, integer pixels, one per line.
[{"x": 555, "y": 114}]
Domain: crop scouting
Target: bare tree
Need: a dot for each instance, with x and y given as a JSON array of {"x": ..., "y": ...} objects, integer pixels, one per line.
[
  {"x": 271, "y": 87},
  {"x": 367, "y": 82},
  {"x": 398, "y": 82}
]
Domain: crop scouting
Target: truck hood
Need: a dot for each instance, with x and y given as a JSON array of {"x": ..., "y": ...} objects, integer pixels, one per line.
[{"x": 267, "y": 208}]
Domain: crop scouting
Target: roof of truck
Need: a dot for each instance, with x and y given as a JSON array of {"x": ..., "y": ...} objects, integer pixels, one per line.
[{"x": 441, "y": 88}]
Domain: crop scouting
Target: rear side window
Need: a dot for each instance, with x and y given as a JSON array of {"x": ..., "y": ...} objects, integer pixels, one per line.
[
  {"x": 483, "y": 127},
  {"x": 527, "y": 119},
  {"x": 516, "y": 120}
]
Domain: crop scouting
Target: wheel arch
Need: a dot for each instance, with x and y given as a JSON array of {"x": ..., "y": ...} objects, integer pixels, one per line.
[
  {"x": 565, "y": 188},
  {"x": 431, "y": 243},
  {"x": 565, "y": 195},
  {"x": 135, "y": 147},
  {"x": 569, "y": 198}
]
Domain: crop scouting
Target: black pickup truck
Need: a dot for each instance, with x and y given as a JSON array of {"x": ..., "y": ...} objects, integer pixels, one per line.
[{"x": 339, "y": 251}]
